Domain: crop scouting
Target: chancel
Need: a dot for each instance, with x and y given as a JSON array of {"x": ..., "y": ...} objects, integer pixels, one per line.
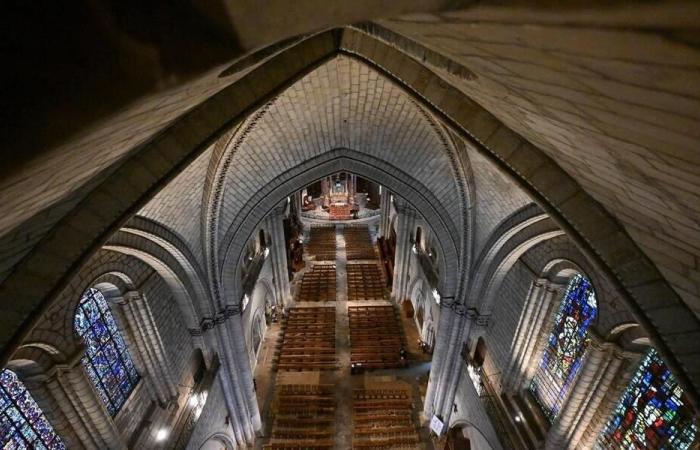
[
  {"x": 338, "y": 197},
  {"x": 361, "y": 225}
]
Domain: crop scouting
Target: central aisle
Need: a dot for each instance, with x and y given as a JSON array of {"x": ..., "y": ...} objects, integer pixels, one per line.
[
  {"x": 343, "y": 392},
  {"x": 313, "y": 403}
]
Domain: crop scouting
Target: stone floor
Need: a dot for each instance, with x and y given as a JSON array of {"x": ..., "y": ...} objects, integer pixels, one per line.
[{"x": 415, "y": 375}]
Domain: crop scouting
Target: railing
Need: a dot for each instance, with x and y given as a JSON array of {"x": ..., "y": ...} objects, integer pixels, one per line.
[
  {"x": 504, "y": 428},
  {"x": 323, "y": 215},
  {"x": 188, "y": 418},
  {"x": 428, "y": 269}
]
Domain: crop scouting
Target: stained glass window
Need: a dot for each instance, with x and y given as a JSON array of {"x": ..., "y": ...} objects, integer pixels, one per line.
[
  {"x": 107, "y": 361},
  {"x": 566, "y": 345},
  {"x": 22, "y": 424},
  {"x": 653, "y": 412}
]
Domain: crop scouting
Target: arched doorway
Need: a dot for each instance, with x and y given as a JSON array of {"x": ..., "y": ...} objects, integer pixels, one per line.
[
  {"x": 479, "y": 352},
  {"x": 457, "y": 439},
  {"x": 419, "y": 317},
  {"x": 407, "y": 308},
  {"x": 261, "y": 237}
]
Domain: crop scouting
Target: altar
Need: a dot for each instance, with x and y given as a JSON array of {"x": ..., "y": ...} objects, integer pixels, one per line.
[{"x": 337, "y": 199}]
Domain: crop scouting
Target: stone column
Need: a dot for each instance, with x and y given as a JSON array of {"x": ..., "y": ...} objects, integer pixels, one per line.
[
  {"x": 150, "y": 345},
  {"x": 451, "y": 370},
  {"x": 57, "y": 408},
  {"x": 451, "y": 328},
  {"x": 538, "y": 335},
  {"x": 604, "y": 400},
  {"x": 353, "y": 187},
  {"x": 533, "y": 320},
  {"x": 295, "y": 204},
  {"x": 81, "y": 405},
  {"x": 601, "y": 365},
  {"x": 238, "y": 386},
  {"x": 278, "y": 254},
  {"x": 405, "y": 223},
  {"x": 385, "y": 213}
]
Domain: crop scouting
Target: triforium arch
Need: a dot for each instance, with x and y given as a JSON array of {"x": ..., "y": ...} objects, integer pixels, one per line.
[{"x": 597, "y": 233}]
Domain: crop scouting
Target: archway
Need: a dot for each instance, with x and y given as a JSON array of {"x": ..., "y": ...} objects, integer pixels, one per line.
[
  {"x": 407, "y": 308},
  {"x": 458, "y": 438},
  {"x": 603, "y": 239},
  {"x": 232, "y": 243}
]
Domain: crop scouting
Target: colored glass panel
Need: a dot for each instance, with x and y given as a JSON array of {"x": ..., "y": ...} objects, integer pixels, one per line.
[
  {"x": 107, "y": 360},
  {"x": 22, "y": 423},
  {"x": 653, "y": 412},
  {"x": 566, "y": 346}
]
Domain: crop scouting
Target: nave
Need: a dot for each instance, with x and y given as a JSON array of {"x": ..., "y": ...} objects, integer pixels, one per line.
[{"x": 323, "y": 368}]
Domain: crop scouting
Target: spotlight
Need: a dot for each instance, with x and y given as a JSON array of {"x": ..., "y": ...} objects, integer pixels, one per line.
[{"x": 161, "y": 435}]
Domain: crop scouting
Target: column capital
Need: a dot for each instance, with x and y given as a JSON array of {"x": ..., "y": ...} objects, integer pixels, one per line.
[
  {"x": 404, "y": 208},
  {"x": 279, "y": 209},
  {"x": 127, "y": 297},
  {"x": 448, "y": 302},
  {"x": 207, "y": 323}
]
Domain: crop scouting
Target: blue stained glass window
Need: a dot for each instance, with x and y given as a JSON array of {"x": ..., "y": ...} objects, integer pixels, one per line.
[
  {"x": 566, "y": 346},
  {"x": 653, "y": 412},
  {"x": 107, "y": 360},
  {"x": 22, "y": 424}
]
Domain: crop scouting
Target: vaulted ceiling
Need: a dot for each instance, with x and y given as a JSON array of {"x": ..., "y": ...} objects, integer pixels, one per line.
[{"x": 608, "y": 92}]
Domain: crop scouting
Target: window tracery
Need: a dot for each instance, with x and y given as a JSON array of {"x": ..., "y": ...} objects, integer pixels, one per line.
[
  {"x": 565, "y": 347},
  {"x": 22, "y": 423},
  {"x": 652, "y": 413},
  {"x": 107, "y": 360}
]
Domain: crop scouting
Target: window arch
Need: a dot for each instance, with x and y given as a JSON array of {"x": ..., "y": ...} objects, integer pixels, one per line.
[
  {"x": 566, "y": 346},
  {"x": 653, "y": 412},
  {"x": 22, "y": 423},
  {"x": 107, "y": 361}
]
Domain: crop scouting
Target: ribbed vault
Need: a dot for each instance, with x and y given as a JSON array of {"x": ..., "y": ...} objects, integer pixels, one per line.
[{"x": 343, "y": 104}]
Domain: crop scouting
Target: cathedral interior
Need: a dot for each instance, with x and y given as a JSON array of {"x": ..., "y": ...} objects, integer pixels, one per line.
[{"x": 365, "y": 225}]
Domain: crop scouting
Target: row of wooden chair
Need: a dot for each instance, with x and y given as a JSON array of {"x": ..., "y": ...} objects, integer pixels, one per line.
[
  {"x": 365, "y": 282},
  {"x": 382, "y": 419},
  {"x": 318, "y": 284},
  {"x": 380, "y": 394},
  {"x": 307, "y": 340},
  {"x": 303, "y": 418},
  {"x": 358, "y": 244},
  {"x": 376, "y": 338},
  {"x": 321, "y": 243}
]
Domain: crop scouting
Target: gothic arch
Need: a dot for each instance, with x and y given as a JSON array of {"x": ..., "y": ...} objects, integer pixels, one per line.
[
  {"x": 508, "y": 243},
  {"x": 311, "y": 170},
  {"x": 482, "y": 443},
  {"x": 49, "y": 267},
  {"x": 217, "y": 441},
  {"x": 176, "y": 270},
  {"x": 257, "y": 332}
]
